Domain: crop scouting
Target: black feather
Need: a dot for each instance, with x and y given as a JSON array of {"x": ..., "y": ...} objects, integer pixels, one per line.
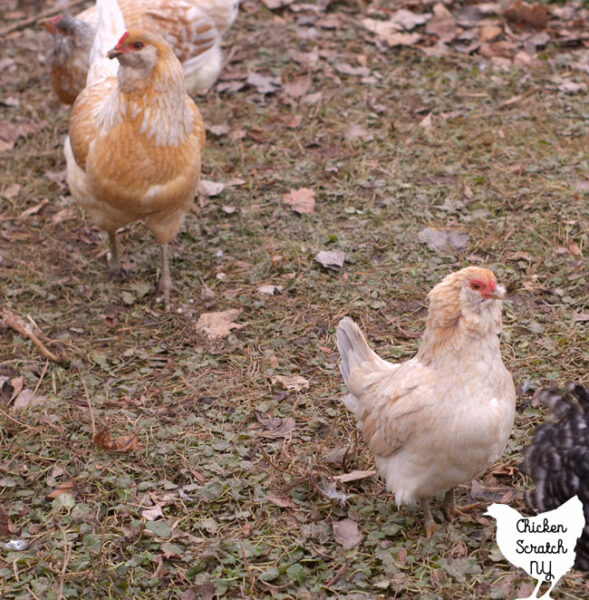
[{"x": 557, "y": 460}]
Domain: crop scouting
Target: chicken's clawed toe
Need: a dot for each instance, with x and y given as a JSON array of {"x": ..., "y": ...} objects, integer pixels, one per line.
[
  {"x": 429, "y": 524},
  {"x": 163, "y": 291},
  {"x": 430, "y": 529}
]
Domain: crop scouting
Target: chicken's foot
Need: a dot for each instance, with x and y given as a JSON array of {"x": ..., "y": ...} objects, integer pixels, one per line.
[
  {"x": 165, "y": 282},
  {"x": 115, "y": 269},
  {"x": 428, "y": 521}
]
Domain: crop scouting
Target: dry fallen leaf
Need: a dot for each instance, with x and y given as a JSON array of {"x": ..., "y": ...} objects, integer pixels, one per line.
[
  {"x": 442, "y": 24},
  {"x": 307, "y": 59},
  {"x": 297, "y": 87},
  {"x": 264, "y": 83},
  {"x": 408, "y": 20},
  {"x": 27, "y": 398},
  {"x": 294, "y": 383},
  {"x": 125, "y": 443},
  {"x": 17, "y": 384},
  {"x": 10, "y": 131},
  {"x": 275, "y": 427},
  {"x": 65, "y": 214},
  {"x": 210, "y": 188},
  {"x": 358, "y": 132},
  {"x": 63, "y": 488},
  {"x": 301, "y": 201},
  {"x": 218, "y": 324},
  {"x": 269, "y": 290},
  {"x": 152, "y": 513},
  {"x": 282, "y": 502},
  {"x": 313, "y": 98},
  {"x": 203, "y": 591},
  {"x": 488, "y": 33},
  {"x": 346, "y": 69},
  {"x": 6, "y": 525},
  {"x": 219, "y": 130},
  {"x": 571, "y": 87},
  {"x": 346, "y": 533},
  {"x": 10, "y": 191},
  {"x": 426, "y": 122},
  {"x": 388, "y": 31},
  {"x": 444, "y": 241},
  {"x": 292, "y": 121},
  {"x": 33, "y": 210},
  {"x": 522, "y": 13},
  {"x": 353, "y": 476},
  {"x": 331, "y": 259}
]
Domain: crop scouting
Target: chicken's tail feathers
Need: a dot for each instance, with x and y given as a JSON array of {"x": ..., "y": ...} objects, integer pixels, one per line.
[
  {"x": 202, "y": 70},
  {"x": 110, "y": 26},
  {"x": 355, "y": 353}
]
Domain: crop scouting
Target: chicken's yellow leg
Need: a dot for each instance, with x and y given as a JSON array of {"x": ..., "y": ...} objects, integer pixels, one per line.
[
  {"x": 114, "y": 268},
  {"x": 449, "y": 505},
  {"x": 165, "y": 282},
  {"x": 428, "y": 521}
]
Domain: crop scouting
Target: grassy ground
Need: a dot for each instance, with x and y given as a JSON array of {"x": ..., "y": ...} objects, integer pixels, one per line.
[{"x": 235, "y": 463}]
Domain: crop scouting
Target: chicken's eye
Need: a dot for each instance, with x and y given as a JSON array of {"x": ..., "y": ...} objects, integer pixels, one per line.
[
  {"x": 475, "y": 286},
  {"x": 137, "y": 45}
]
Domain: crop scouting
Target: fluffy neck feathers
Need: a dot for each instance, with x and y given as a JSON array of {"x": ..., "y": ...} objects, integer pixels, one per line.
[
  {"x": 454, "y": 324},
  {"x": 153, "y": 94}
]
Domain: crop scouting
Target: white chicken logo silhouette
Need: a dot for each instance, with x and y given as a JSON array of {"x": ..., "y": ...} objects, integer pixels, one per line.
[{"x": 544, "y": 545}]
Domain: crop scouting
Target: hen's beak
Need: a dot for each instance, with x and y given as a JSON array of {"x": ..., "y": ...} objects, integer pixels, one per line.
[
  {"x": 114, "y": 53},
  {"x": 498, "y": 294}
]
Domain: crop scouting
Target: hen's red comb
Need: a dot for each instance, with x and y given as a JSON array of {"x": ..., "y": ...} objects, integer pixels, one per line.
[{"x": 123, "y": 38}]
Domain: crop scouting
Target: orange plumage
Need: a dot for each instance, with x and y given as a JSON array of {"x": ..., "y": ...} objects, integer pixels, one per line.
[
  {"x": 192, "y": 28},
  {"x": 135, "y": 144}
]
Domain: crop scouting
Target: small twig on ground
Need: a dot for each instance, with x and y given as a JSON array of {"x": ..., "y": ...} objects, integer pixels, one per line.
[
  {"x": 15, "y": 322},
  {"x": 249, "y": 571},
  {"x": 339, "y": 573},
  {"x": 67, "y": 552},
  {"x": 92, "y": 421},
  {"x": 42, "y": 15}
]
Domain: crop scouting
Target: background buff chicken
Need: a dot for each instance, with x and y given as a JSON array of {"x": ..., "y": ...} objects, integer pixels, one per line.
[
  {"x": 441, "y": 418},
  {"x": 193, "y": 28},
  {"x": 135, "y": 138},
  {"x": 557, "y": 460}
]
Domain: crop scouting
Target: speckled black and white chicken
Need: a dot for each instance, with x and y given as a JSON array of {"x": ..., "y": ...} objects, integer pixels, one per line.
[{"x": 558, "y": 458}]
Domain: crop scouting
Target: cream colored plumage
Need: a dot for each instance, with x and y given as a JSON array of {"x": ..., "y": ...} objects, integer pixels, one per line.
[
  {"x": 441, "y": 418},
  {"x": 135, "y": 138},
  {"x": 192, "y": 28}
]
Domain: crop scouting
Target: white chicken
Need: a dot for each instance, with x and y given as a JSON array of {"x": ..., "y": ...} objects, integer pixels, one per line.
[
  {"x": 542, "y": 545},
  {"x": 441, "y": 418},
  {"x": 135, "y": 138},
  {"x": 192, "y": 28}
]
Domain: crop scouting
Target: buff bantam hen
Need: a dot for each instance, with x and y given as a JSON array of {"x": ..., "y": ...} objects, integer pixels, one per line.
[
  {"x": 135, "y": 138},
  {"x": 441, "y": 418},
  {"x": 193, "y": 29}
]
